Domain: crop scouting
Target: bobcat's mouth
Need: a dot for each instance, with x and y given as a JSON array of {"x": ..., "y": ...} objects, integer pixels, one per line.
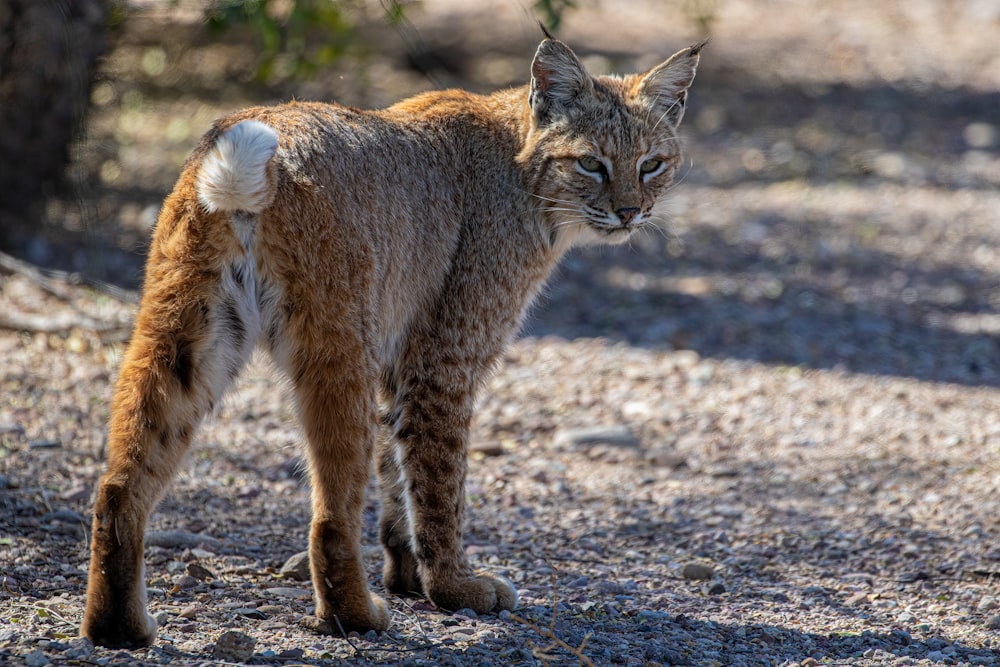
[{"x": 613, "y": 234}]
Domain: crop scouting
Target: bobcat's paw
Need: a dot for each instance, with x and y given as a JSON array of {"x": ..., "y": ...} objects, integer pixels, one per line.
[
  {"x": 400, "y": 575},
  {"x": 135, "y": 631},
  {"x": 339, "y": 622},
  {"x": 484, "y": 594}
]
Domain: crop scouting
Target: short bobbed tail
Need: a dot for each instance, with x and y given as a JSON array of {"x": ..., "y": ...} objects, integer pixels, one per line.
[{"x": 234, "y": 174}]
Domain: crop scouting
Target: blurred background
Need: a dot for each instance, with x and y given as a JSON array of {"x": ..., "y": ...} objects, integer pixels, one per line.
[{"x": 839, "y": 208}]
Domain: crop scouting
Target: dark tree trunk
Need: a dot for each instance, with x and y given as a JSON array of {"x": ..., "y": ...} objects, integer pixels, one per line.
[{"x": 48, "y": 55}]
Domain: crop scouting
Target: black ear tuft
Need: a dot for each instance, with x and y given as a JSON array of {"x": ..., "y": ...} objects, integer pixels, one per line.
[{"x": 665, "y": 86}]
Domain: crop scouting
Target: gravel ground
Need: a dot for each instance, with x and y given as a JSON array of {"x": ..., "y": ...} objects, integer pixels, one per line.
[{"x": 768, "y": 436}]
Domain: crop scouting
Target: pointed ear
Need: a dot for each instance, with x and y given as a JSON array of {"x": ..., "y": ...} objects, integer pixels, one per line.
[
  {"x": 557, "y": 80},
  {"x": 665, "y": 86}
]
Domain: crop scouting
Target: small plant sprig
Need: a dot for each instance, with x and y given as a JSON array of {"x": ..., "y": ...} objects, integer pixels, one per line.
[{"x": 545, "y": 653}]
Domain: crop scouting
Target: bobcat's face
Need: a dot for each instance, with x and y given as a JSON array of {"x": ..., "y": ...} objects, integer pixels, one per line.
[
  {"x": 608, "y": 146},
  {"x": 604, "y": 186}
]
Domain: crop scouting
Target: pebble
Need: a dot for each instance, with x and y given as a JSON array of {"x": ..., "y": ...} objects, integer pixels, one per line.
[
  {"x": 288, "y": 592},
  {"x": 297, "y": 567},
  {"x": 856, "y": 600},
  {"x": 617, "y": 436},
  {"x": 199, "y": 572},
  {"x": 80, "y": 648},
  {"x": 191, "y": 611},
  {"x": 696, "y": 571},
  {"x": 486, "y": 448},
  {"x": 36, "y": 659},
  {"x": 179, "y": 539},
  {"x": 988, "y": 603},
  {"x": 993, "y": 622},
  {"x": 234, "y": 646}
]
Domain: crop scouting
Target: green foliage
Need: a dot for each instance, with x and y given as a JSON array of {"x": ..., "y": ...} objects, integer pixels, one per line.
[
  {"x": 700, "y": 12},
  {"x": 551, "y": 11},
  {"x": 298, "y": 37}
]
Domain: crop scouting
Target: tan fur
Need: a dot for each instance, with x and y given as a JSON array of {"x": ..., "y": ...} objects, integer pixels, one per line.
[{"x": 380, "y": 257}]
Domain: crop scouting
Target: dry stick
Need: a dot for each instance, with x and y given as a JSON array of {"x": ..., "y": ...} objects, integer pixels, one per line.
[
  {"x": 53, "y": 282},
  {"x": 49, "y": 279},
  {"x": 550, "y": 632},
  {"x": 55, "y": 323},
  {"x": 34, "y": 274}
]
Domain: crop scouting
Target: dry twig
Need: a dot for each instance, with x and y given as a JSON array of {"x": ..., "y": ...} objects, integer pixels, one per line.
[{"x": 544, "y": 653}]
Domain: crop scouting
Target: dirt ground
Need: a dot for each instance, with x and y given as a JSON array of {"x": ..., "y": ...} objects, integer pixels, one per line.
[{"x": 769, "y": 435}]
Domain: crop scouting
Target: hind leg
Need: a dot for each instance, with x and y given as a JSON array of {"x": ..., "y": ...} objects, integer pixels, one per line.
[
  {"x": 192, "y": 335},
  {"x": 399, "y": 575},
  {"x": 335, "y": 390}
]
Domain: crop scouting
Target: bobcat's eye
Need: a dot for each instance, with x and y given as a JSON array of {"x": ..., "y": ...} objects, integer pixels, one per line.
[
  {"x": 591, "y": 164},
  {"x": 649, "y": 166}
]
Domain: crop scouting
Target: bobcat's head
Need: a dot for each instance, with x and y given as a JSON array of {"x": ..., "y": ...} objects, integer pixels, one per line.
[{"x": 603, "y": 150}]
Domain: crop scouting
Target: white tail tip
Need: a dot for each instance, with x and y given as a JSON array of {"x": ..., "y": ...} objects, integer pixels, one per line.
[{"x": 233, "y": 177}]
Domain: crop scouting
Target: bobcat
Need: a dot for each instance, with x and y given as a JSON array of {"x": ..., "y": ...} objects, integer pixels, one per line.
[{"x": 382, "y": 258}]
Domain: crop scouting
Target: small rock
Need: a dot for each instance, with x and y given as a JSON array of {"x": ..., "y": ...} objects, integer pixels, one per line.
[
  {"x": 901, "y": 637},
  {"x": 617, "y": 436},
  {"x": 178, "y": 539},
  {"x": 191, "y": 611},
  {"x": 486, "y": 448},
  {"x": 610, "y": 587},
  {"x": 185, "y": 581},
  {"x": 466, "y": 613},
  {"x": 667, "y": 458},
  {"x": 987, "y": 603},
  {"x": 233, "y": 646},
  {"x": 80, "y": 648},
  {"x": 292, "y": 654},
  {"x": 286, "y": 592},
  {"x": 199, "y": 572},
  {"x": 75, "y": 494},
  {"x": 856, "y": 600},
  {"x": 271, "y": 609},
  {"x": 250, "y": 612},
  {"x": 15, "y": 429},
  {"x": 716, "y": 589},
  {"x": 297, "y": 567},
  {"x": 993, "y": 622},
  {"x": 161, "y": 618},
  {"x": 697, "y": 571},
  {"x": 36, "y": 659}
]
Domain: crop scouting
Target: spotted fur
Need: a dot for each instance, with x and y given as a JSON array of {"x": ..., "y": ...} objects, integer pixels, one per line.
[{"x": 379, "y": 257}]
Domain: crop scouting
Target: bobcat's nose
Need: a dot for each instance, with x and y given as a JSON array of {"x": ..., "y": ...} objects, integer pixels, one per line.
[{"x": 626, "y": 215}]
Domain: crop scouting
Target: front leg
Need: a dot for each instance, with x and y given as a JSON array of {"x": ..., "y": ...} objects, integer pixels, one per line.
[{"x": 433, "y": 436}]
